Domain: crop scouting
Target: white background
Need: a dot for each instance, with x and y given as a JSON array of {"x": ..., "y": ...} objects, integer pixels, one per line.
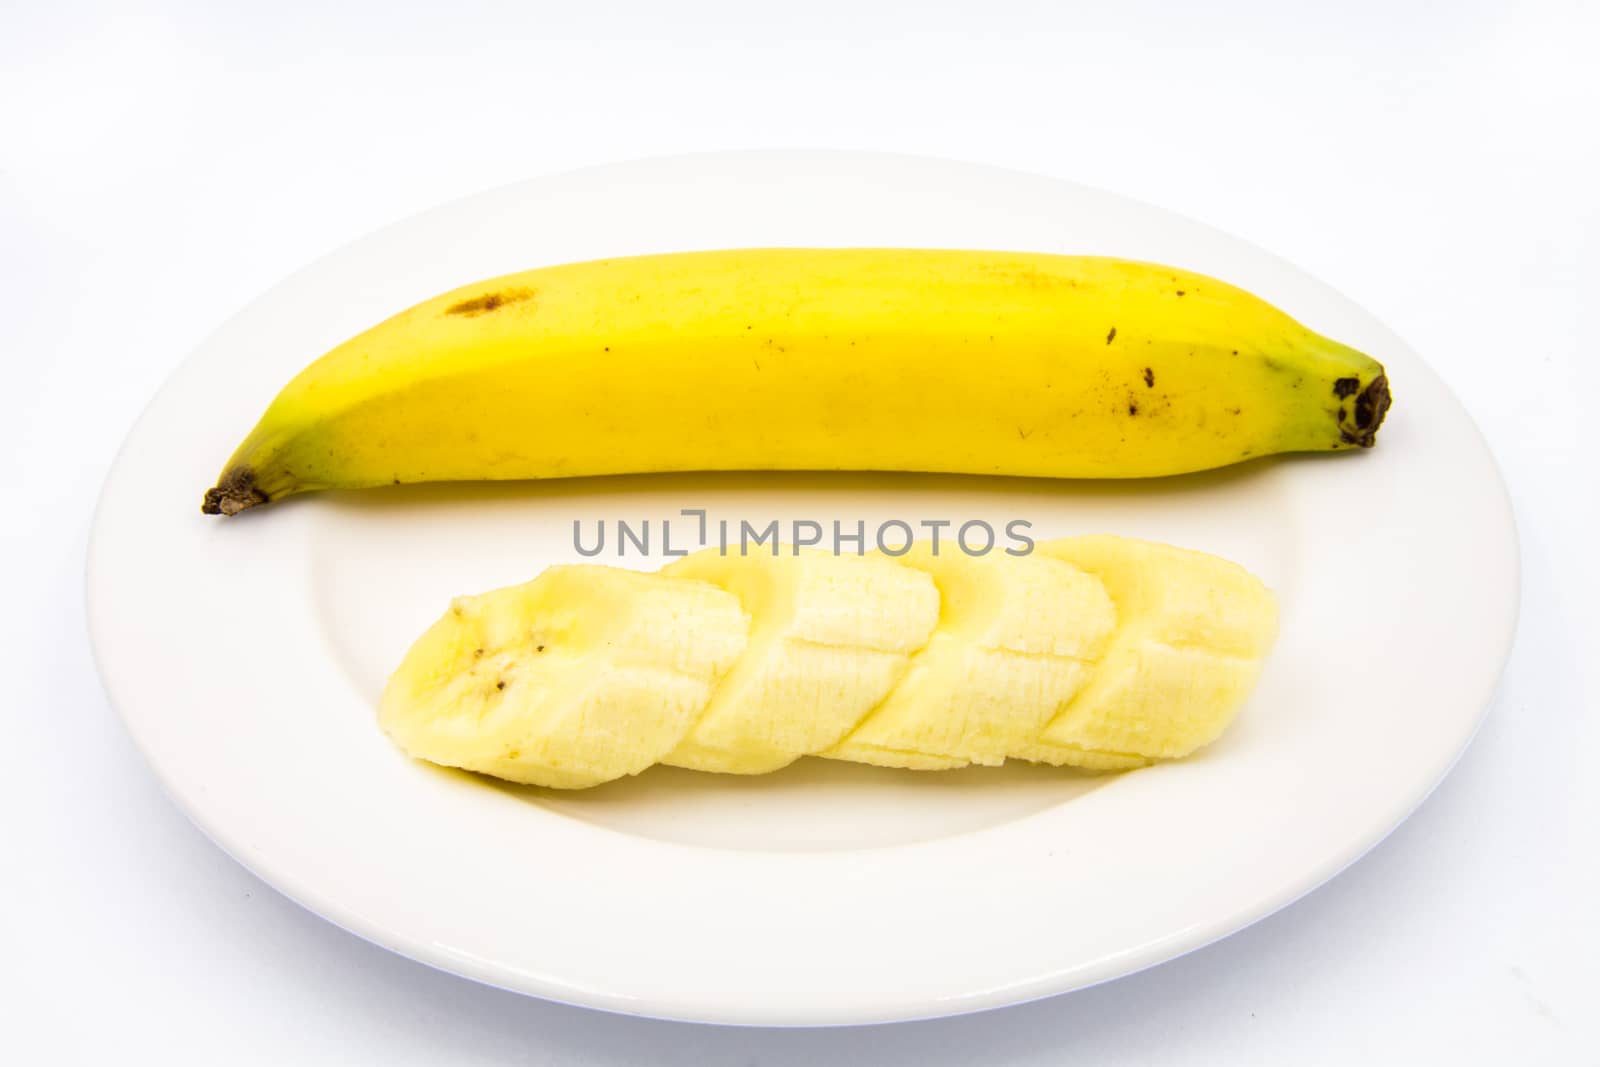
[{"x": 161, "y": 164}]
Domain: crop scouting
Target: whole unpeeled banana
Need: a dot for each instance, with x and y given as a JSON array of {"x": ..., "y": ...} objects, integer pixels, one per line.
[
  {"x": 813, "y": 359},
  {"x": 1096, "y": 652}
]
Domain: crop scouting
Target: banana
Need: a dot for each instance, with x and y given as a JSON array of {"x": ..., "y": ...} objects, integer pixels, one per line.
[
  {"x": 582, "y": 675},
  {"x": 1016, "y": 639},
  {"x": 1192, "y": 631},
  {"x": 1095, "y": 652},
  {"x": 830, "y": 636},
  {"x": 812, "y": 359}
]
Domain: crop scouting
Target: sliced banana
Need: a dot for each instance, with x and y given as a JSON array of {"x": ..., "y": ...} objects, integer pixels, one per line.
[
  {"x": 1095, "y": 652},
  {"x": 832, "y": 635},
  {"x": 1017, "y": 638},
  {"x": 580, "y": 676},
  {"x": 1192, "y": 630}
]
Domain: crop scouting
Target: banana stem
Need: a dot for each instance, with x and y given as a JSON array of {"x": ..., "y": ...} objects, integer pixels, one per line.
[{"x": 233, "y": 493}]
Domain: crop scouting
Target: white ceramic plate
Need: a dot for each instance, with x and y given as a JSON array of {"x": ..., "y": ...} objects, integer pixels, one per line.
[{"x": 246, "y": 655}]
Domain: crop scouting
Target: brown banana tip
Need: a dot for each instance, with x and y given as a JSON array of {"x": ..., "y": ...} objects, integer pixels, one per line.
[
  {"x": 235, "y": 491},
  {"x": 1371, "y": 406},
  {"x": 1358, "y": 425}
]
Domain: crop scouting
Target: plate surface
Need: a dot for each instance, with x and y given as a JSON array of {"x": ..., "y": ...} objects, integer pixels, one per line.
[{"x": 246, "y": 655}]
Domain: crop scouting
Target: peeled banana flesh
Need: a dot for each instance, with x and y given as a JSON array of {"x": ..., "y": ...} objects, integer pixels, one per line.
[{"x": 1098, "y": 652}]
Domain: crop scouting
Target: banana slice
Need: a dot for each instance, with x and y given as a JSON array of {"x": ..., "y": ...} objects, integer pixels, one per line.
[
  {"x": 1017, "y": 638},
  {"x": 582, "y": 675},
  {"x": 1192, "y": 630},
  {"x": 831, "y": 636}
]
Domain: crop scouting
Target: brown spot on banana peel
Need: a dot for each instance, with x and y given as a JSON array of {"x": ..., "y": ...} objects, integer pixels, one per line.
[
  {"x": 236, "y": 491},
  {"x": 482, "y": 305}
]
